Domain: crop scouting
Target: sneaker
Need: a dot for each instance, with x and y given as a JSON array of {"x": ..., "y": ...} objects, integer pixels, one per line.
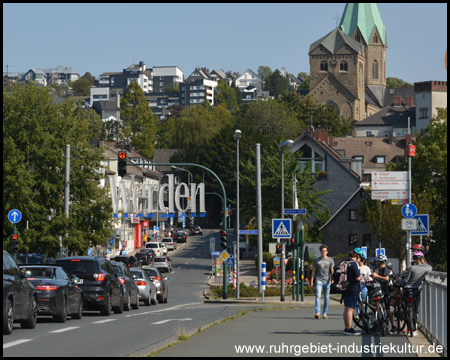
[
  {"x": 317, "y": 316},
  {"x": 415, "y": 333},
  {"x": 394, "y": 330},
  {"x": 325, "y": 316},
  {"x": 351, "y": 332}
]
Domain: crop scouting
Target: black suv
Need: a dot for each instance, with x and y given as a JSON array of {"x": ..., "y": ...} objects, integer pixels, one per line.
[
  {"x": 19, "y": 297},
  {"x": 102, "y": 289},
  {"x": 146, "y": 256}
]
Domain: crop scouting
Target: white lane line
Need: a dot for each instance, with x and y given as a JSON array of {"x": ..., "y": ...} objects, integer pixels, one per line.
[
  {"x": 179, "y": 267},
  {"x": 103, "y": 321},
  {"x": 17, "y": 342},
  {"x": 192, "y": 258},
  {"x": 164, "y": 321},
  {"x": 64, "y": 329},
  {"x": 185, "y": 263}
]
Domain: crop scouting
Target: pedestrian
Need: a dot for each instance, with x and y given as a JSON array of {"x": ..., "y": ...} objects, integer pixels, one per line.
[
  {"x": 351, "y": 294},
  {"x": 365, "y": 272},
  {"x": 323, "y": 270}
]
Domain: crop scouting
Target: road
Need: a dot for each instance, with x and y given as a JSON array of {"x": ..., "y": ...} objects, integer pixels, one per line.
[{"x": 137, "y": 332}]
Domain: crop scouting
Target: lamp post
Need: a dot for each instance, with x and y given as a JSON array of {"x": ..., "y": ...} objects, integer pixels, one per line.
[
  {"x": 237, "y": 136},
  {"x": 282, "y": 146}
]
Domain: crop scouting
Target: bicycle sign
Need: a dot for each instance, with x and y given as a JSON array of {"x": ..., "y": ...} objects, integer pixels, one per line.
[{"x": 409, "y": 211}]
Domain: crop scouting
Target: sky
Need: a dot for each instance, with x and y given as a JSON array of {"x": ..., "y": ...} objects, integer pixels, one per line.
[{"x": 109, "y": 37}]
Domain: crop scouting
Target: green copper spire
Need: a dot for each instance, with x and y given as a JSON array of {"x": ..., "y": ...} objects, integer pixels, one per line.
[{"x": 366, "y": 17}]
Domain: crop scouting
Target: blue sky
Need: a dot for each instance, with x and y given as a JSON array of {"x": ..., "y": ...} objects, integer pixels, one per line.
[{"x": 107, "y": 37}]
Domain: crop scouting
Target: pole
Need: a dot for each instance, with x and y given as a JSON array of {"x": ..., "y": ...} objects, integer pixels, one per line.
[
  {"x": 259, "y": 209},
  {"x": 294, "y": 274},
  {"x": 66, "y": 191},
  {"x": 237, "y": 222},
  {"x": 297, "y": 264},
  {"x": 303, "y": 262},
  {"x": 283, "y": 267},
  {"x": 408, "y": 233}
]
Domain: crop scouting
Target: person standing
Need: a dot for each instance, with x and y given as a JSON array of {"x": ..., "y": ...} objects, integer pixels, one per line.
[
  {"x": 365, "y": 273},
  {"x": 323, "y": 271},
  {"x": 351, "y": 294}
]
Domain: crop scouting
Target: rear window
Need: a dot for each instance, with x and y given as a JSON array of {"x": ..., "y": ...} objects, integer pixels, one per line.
[
  {"x": 33, "y": 272},
  {"x": 160, "y": 259},
  {"x": 167, "y": 240},
  {"x": 151, "y": 246},
  {"x": 180, "y": 234},
  {"x": 78, "y": 266},
  {"x": 136, "y": 274},
  {"x": 117, "y": 270},
  {"x": 151, "y": 272}
]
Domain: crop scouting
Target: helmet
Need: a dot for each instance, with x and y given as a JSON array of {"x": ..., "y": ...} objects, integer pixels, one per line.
[
  {"x": 382, "y": 258},
  {"x": 418, "y": 254},
  {"x": 418, "y": 247},
  {"x": 390, "y": 266},
  {"x": 360, "y": 252}
]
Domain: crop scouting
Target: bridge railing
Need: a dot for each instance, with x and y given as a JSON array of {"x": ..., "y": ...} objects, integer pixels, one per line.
[{"x": 433, "y": 307}]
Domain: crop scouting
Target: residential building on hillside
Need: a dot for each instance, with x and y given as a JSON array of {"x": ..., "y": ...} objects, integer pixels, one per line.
[
  {"x": 57, "y": 75},
  {"x": 199, "y": 74},
  {"x": 36, "y": 75},
  {"x": 108, "y": 109},
  {"x": 166, "y": 75},
  {"x": 251, "y": 93},
  {"x": 248, "y": 78},
  {"x": 13, "y": 76},
  {"x": 430, "y": 95},
  {"x": 119, "y": 81},
  {"x": 293, "y": 81},
  {"x": 197, "y": 91}
]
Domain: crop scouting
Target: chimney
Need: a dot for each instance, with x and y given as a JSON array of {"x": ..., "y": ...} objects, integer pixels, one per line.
[
  {"x": 390, "y": 137},
  {"x": 409, "y": 101},
  {"x": 397, "y": 101},
  {"x": 101, "y": 143}
]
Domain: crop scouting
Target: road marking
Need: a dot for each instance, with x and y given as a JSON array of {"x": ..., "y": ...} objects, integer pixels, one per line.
[
  {"x": 14, "y": 343},
  {"x": 64, "y": 329},
  {"x": 164, "y": 321},
  {"x": 103, "y": 321},
  {"x": 179, "y": 267},
  {"x": 185, "y": 263}
]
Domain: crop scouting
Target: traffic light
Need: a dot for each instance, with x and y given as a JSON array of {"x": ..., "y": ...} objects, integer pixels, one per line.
[
  {"x": 14, "y": 243},
  {"x": 223, "y": 239},
  {"x": 278, "y": 249},
  {"x": 292, "y": 244},
  {"x": 122, "y": 164}
]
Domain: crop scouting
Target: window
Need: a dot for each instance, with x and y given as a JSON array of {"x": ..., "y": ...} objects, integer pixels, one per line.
[
  {"x": 425, "y": 112},
  {"x": 161, "y": 84},
  {"x": 161, "y": 78},
  {"x": 368, "y": 133},
  {"x": 367, "y": 240},
  {"x": 324, "y": 66},
  {"x": 182, "y": 89},
  {"x": 343, "y": 66},
  {"x": 334, "y": 143},
  {"x": 381, "y": 159},
  {"x": 161, "y": 90},
  {"x": 163, "y": 101},
  {"x": 353, "y": 215},
  {"x": 375, "y": 70},
  {"x": 248, "y": 96},
  {"x": 352, "y": 239},
  {"x": 358, "y": 37},
  {"x": 369, "y": 143},
  {"x": 367, "y": 177},
  {"x": 375, "y": 39}
]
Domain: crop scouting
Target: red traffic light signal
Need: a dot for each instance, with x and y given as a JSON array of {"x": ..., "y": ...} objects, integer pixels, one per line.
[
  {"x": 122, "y": 165},
  {"x": 223, "y": 233},
  {"x": 122, "y": 155},
  {"x": 14, "y": 237}
]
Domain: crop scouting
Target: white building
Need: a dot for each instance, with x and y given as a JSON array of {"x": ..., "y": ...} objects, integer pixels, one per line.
[{"x": 430, "y": 95}]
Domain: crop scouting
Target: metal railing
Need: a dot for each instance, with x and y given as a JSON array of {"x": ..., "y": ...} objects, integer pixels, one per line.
[{"x": 433, "y": 307}]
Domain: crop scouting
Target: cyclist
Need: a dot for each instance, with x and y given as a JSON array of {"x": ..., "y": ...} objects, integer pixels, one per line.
[
  {"x": 381, "y": 275},
  {"x": 365, "y": 272}
]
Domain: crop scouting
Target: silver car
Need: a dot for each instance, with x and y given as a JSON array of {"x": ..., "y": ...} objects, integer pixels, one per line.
[
  {"x": 170, "y": 243},
  {"x": 163, "y": 263},
  {"x": 162, "y": 287},
  {"x": 147, "y": 288}
]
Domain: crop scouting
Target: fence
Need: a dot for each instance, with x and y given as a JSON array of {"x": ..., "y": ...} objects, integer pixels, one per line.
[{"x": 433, "y": 307}]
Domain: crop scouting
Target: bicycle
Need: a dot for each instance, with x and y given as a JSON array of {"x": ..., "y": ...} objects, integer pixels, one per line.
[
  {"x": 399, "y": 308},
  {"x": 411, "y": 307},
  {"x": 362, "y": 319}
]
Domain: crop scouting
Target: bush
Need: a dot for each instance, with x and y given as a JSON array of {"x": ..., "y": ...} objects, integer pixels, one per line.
[{"x": 268, "y": 259}]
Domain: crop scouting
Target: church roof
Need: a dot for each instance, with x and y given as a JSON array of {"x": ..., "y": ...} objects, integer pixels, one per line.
[
  {"x": 366, "y": 17},
  {"x": 335, "y": 40},
  {"x": 377, "y": 92}
]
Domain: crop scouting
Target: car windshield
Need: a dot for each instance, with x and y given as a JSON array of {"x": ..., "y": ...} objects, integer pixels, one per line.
[
  {"x": 76, "y": 266},
  {"x": 33, "y": 272},
  {"x": 34, "y": 258}
]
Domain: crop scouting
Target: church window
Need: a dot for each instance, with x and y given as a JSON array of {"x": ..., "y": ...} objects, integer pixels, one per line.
[
  {"x": 358, "y": 37},
  {"x": 344, "y": 66},
  {"x": 324, "y": 66},
  {"x": 375, "y": 39},
  {"x": 375, "y": 70}
]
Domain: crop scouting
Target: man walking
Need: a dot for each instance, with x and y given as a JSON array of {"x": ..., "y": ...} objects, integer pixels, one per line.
[{"x": 323, "y": 270}]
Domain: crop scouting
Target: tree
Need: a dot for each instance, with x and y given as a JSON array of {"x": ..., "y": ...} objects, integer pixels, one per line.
[
  {"x": 82, "y": 86},
  {"x": 238, "y": 92},
  {"x": 225, "y": 94},
  {"x": 139, "y": 122},
  {"x": 264, "y": 72},
  {"x": 59, "y": 89},
  {"x": 395, "y": 83},
  {"x": 172, "y": 87},
  {"x": 304, "y": 84},
  {"x": 277, "y": 84},
  {"x": 35, "y": 132},
  {"x": 166, "y": 135}
]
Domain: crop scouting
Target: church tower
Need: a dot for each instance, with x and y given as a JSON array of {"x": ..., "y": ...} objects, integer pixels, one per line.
[{"x": 362, "y": 22}]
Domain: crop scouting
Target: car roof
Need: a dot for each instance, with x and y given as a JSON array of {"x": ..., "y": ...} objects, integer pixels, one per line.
[
  {"x": 81, "y": 258},
  {"x": 40, "y": 265}
]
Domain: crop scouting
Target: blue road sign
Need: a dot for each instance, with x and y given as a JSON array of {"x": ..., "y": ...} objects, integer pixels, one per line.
[
  {"x": 364, "y": 248},
  {"x": 89, "y": 252},
  {"x": 215, "y": 253},
  {"x": 248, "y": 232},
  {"x": 14, "y": 216},
  {"x": 230, "y": 262},
  {"x": 423, "y": 225},
  {"x": 294, "y": 211},
  {"x": 281, "y": 228},
  {"x": 377, "y": 251},
  {"x": 409, "y": 211}
]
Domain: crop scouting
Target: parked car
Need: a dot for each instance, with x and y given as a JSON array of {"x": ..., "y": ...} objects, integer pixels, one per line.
[
  {"x": 101, "y": 288},
  {"x": 146, "y": 256},
  {"x": 19, "y": 297},
  {"x": 57, "y": 293},
  {"x": 128, "y": 260},
  {"x": 157, "y": 247},
  {"x": 147, "y": 288},
  {"x": 130, "y": 289},
  {"x": 162, "y": 288},
  {"x": 170, "y": 243},
  {"x": 180, "y": 236},
  {"x": 195, "y": 230},
  {"x": 163, "y": 263}
]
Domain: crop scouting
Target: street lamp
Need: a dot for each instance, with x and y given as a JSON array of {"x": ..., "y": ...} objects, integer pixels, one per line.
[
  {"x": 178, "y": 168},
  {"x": 285, "y": 144},
  {"x": 237, "y": 136}
]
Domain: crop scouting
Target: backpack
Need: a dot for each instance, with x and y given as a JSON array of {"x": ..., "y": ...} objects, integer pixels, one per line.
[{"x": 340, "y": 281}]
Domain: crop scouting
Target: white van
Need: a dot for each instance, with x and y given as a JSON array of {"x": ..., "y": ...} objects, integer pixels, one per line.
[{"x": 157, "y": 248}]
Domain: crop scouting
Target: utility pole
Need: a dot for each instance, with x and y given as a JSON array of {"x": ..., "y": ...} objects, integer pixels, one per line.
[
  {"x": 66, "y": 192},
  {"x": 259, "y": 211}
]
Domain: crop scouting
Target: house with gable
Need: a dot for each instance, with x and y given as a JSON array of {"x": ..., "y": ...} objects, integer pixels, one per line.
[{"x": 249, "y": 77}]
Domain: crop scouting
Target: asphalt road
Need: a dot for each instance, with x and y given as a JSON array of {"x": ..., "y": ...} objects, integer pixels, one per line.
[{"x": 137, "y": 332}]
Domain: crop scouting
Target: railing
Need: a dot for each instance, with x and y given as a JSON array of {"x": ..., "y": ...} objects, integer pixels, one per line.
[{"x": 433, "y": 307}]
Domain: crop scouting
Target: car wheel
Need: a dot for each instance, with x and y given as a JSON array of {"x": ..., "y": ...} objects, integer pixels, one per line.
[
  {"x": 166, "y": 298},
  {"x": 8, "y": 318},
  {"x": 127, "y": 306},
  {"x": 147, "y": 301},
  {"x": 119, "y": 309},
  {"x": 106, "y": 309},
  {"x": 136, "y": 305},
  {"x": 160, "y": 299},
  {"x": 30, "y": 322},
  {"x": 62, "y": 316},
  {"x": 154, "y": 300},
  {"x": 79, "y": 314}
]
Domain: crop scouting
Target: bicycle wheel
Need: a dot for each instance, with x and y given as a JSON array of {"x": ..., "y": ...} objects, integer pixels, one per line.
[
  {"x": 364, "y": 318},
  {"x": 380, "y": 321},
  {"x": 400, "y": 317}
]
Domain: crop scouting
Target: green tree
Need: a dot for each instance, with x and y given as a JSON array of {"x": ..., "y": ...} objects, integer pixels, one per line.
[
  {"x": 238, "y": 92},
  {"x": 82, "y": 86},
  {"x": 277, "y": 84},
  {"x": 35, "y": 132},
  {"x": 166, "y": 135},
  {"x": 395, "y": 83},
  {"x": 172, "y": 87},
  {"x": 59, "y": 89},
  {"x": 139, "y": 122},
  {"x": 225, "y": 94},
  {"x": 305, "y": 84},
  {"x": 264, "y": 72}
]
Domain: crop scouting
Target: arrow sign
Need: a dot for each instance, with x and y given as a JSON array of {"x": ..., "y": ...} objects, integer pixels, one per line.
[
  {"x": 388, "y": 194},
  {"x": 215, "y": 253},
  {"x": 295, "y": 211},
  {"x": 390, "y": 175},
  {"x": 14, "y": 216},
  {"x": 389, "y": 185}
]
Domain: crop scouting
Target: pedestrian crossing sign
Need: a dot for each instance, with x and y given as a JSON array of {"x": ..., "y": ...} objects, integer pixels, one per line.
[
  {"x": 281, "y": 228},
  {"x": 423, "y": 225}
]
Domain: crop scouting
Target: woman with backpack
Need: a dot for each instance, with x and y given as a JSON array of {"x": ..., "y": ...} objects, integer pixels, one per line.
[{"x": 351, "y": 293}]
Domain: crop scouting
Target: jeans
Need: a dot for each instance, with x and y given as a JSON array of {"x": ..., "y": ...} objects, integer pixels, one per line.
[
  {"x": 364, "y": 295},
  {"x": 326, "y": 294}
]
